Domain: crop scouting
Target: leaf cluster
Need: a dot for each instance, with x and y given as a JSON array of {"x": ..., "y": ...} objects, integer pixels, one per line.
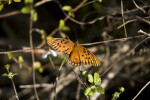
[{"x": 95, "y": 87}]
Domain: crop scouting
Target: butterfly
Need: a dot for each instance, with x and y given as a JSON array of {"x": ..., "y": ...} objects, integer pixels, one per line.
[{"x": 77, "y": 55}]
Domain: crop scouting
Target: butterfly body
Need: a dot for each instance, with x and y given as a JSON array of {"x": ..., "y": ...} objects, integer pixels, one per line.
[{"x": 76, "y": 54}]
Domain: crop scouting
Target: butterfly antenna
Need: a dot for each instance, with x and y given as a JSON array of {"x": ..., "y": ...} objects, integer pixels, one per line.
[
  {"x": 76, "y": 35},
  {"x": 68, "y": 37}
]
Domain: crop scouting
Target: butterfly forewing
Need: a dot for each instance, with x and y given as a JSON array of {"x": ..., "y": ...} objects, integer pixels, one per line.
[{"x": 59, "y": 44}]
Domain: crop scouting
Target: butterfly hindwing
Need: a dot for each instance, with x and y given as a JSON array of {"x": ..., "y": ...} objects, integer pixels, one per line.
[
  {"x": 74, "y": 57},
  {"x": 88, "y": 57}
]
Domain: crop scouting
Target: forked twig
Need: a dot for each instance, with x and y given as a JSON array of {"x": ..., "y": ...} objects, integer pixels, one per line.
[{"x": 139, "y": 7}]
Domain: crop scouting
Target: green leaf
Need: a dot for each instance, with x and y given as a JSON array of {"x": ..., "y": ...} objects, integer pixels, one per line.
[
  {"x": 1, "y": 7},
  {"x": 10, "y": 1},
  {"x": 17, "y": 0},
  {"x": 10, "y": 55},
  {"x": 20, "y": 59},
  {"x": 67, "y": 8},
  {"x": 62, "y": 26},
  {"x": 70, "y": 13},
  {"x": 11, "y": 75},
  {"x": 37, "y": 65},
  {"x": 93, "y": 87},
  {"x": 43, "y": 34},
  {"x": 91, "y": 94},
  {"x": 84, "y": 73},
  {"x": 7, "y": 67},
  {"x": 29, "y": 1},
  {"x": 97, "y": 80},
  {"x": 90, "y": 78},
  {"x": 5, "y": 74},
  {"x": 100, "y": 90},
  {"x": 49, "y": 37},
  {"x": 116, "y": 95},
  {"x": 41, "y": 70},
  {"x": 20, "y": 65},
  {"x": 65, "y": 28},
  {"x": 121, "y": 89},
  {"x": 34, "y": 15},
  {"x": 26, "y": 10},
  {"x": 87, "y": 92}
]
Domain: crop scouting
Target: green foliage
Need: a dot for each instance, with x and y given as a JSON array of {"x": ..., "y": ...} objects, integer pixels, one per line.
[
  {"x": 71, "y": 13},
  {"x": 69, "y": 10},
  {"x": 97, "y": 80},
  {"x": 40, "y": 70},
  {"x": 34, "y": 15},
  {"x": 117, "y": 94},
  {"x": 28, "y": 1},
  {"x": 9, "y": 1},
  {"x": 17, "y": 0},
  {"x": 62, "y": 26},
  {"x": 100, "y": 90},
  {"x": 8, "y": 74},
  {"x": 43, "y": 33},
  {"x": 1, "y": 6},
  {"x": 37, "y": 65},
  {"x": 51, "y": 61},
  {"x": 84, "y": 73},
  {"x": 49, "y": 37},
  {"x": 90, "y": 78},
  {"x": 26, "y": 10},
  {"x": 90, "y": 91},
  {"x": 6, "y": 1},
  {"x": 10, "y": 55},
  {"x": 20, "y": 60}
]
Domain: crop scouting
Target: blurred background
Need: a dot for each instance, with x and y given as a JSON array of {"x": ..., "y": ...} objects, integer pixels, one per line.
[{"x": 128, "y": 60}]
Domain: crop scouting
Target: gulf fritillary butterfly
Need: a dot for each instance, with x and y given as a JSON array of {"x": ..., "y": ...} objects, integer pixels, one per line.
[{"x": 77, "y": 55}]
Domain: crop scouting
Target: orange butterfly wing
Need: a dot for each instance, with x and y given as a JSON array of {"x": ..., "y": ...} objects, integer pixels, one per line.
[
  {"x": 59, "y": 44},
  {"x": 75, "y": 57},
  {"x": 87, "y": 57},
  {"x": 77, "y": 54}
]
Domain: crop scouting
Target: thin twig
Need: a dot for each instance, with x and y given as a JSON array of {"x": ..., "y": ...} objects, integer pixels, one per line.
[
  {"x": 125, "y": 55},
  {"x": 141, "y": 90},
  {"x": 14, "y": 89},
  {"x": 10, "y": 14},
  {"x": 114, "y": 40},
  {"x": 41, "y": 2},
  {"x": 32, "y": 53},
  {"x": 19, "y": 11},
  {"x": 143, "y": 19},
  {"x": 125, "y": 31},
  {"x": 87, "y": 44},
  {"x": 137, "y": 45},
  {"x": 129, "y": 21},
  {"x": 139, "y": 7}
]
